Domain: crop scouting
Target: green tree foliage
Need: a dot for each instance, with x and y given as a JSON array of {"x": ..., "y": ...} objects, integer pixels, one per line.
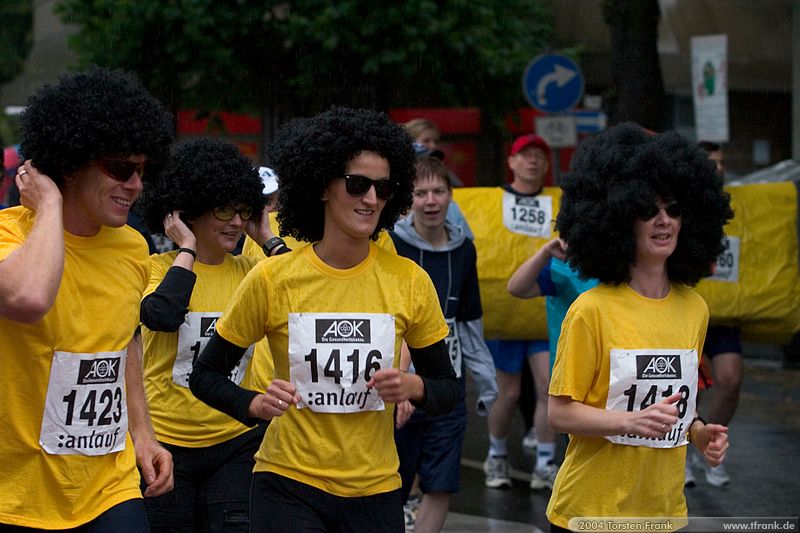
[
  {"x": 305, "y": 55},
  {"x": 16, "y": 18},
  {"x": 638, "y": 87}
]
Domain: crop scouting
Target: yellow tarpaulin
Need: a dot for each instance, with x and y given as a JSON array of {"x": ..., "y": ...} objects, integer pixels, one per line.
[{"x": 756, "y": 283}]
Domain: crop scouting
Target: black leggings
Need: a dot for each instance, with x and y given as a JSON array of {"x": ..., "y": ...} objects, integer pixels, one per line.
[{"x": 128, "y": 516}]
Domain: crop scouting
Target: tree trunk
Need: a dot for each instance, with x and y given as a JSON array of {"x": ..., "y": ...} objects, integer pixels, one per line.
[{"x": 635, "y": 69}]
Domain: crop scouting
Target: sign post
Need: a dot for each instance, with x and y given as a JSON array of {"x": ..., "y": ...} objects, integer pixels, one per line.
[{"x": 553, "y": 84}]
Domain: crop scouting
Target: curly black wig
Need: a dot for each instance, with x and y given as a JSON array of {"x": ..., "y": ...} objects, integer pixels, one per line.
[
  {"x": 309, "y": 153},
  {"x": 89, "y": 115},
  {"x": 619, "y": 173},
  {"x": 201, "y": 174}
]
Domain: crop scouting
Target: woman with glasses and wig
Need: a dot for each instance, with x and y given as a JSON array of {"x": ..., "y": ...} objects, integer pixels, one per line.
[
  {"x": 644, "y": 214},
  {"x": 72, "y": 275},
  {"x": 335, "y": 314},
  {"x": 208, "y": 195}
]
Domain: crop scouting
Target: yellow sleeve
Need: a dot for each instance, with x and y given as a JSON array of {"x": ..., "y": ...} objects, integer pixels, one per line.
[
  {"x": 244, "y": 321},
  {"x": 159, "y": 264},
  {"x": 577, "y": 357}
]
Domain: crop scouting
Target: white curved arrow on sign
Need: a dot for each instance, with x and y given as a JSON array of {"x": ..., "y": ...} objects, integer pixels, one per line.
[{"x": 561, "y": 75}]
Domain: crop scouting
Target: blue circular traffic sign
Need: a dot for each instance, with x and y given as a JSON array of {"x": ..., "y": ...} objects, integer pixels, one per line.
[{"x": 552, "y": 83}]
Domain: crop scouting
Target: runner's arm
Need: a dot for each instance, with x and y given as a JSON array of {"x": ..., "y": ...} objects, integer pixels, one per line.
[
  {"x": 153, "y": 459},
  {"x": 210, "y": 384},
  {"x": 165, "y": 308},
  {"x": 31, "y": 274},
  {"x": 440, "y": 387}
]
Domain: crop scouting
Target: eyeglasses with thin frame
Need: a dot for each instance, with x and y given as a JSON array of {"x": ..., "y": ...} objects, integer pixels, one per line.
[
  {"x": 673, "y": 210},
  {"x": 227, "y": 212},
  {"x": 358, "y": 185},
  {"x": 120, "y": 169}
]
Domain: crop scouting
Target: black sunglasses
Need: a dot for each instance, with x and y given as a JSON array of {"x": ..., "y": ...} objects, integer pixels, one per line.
[
  {"x": 358, "y": 185},
  {"x": 673, "y": 210},
  {"x": 228, "y": 212},
  {"x": 120, "y": 169}
]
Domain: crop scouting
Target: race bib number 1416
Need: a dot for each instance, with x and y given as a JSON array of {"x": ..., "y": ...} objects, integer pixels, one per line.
[{"x": 332, "y": 357}]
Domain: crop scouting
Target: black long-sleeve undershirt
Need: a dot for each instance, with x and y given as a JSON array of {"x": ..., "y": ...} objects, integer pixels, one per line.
[{"x": 165, "y": 308}]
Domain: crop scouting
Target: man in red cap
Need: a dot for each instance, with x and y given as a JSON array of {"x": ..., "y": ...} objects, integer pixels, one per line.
[{"x": 525, "y": 212}]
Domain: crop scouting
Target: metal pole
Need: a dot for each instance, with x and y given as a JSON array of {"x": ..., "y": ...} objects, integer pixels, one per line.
[{"x": 796, "y": 80}]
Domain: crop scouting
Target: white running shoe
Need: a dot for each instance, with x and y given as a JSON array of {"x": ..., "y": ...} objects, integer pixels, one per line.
[
  {"x": 717, "y": 476},
  {"x": 543, "y": 478},
  {"x": 529, "y": 441},
  {"x": 496, "y": 470}
]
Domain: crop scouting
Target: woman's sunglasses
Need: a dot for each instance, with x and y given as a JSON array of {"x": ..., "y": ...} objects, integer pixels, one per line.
[
  {"x": 228, "y": 212},
  {"x": 358, "y": 185},
  {"x": 673, "y": 210},
  {"x": 120, "y": 169}
]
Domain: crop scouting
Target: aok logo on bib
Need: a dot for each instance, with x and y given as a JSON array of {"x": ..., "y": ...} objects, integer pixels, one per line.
[
  {"x": 208, "y": 326},
  {"x": 342, "y": 330},
  {"x": 650, "y": 366},
  {"x": 104, "y": 370}
]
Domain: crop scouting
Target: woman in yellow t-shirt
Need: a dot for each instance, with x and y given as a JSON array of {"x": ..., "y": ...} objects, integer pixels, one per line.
[
  {"x": 642, "y": 213},
  {"x": 335, "y": 313},
  {"x": 207, "y": 196}
]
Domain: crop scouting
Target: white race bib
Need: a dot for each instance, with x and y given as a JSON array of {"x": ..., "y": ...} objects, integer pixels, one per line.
[
  {"x": 528, "y": 215},
  {"x": 193, "y": 336},
  {"x": 640, "y": 378},
  {"x": 726, "y": 267},
  {"x": 332, "y": 356},
  {"x": 453, "y": 343},
  {"x": 85, "y": 411}
]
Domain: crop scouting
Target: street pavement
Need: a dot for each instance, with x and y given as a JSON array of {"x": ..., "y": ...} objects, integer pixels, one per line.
[{"x": 763, "y": 462}]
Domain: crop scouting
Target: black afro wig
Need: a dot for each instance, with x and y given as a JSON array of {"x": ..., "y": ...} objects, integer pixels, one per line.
[
  {"x": 90, "y": 115},
  {"x": 309, "y": 153},
  {"x": 201, "y": 174},
  {"x": 619, "y": 173}
]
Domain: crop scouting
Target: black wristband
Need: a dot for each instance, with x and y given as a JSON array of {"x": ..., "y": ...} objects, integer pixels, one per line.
[
  {"x": 188, "y": 251},
  {"x": 689, "y": 427},
  {"x": 271, "y": 244}
]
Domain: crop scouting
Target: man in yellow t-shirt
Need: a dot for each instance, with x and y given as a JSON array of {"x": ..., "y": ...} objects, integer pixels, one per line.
[{"x": 71, "y": 278}]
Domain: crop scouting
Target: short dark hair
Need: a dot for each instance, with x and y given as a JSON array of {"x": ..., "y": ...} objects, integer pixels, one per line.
[
  {"x": 430, "y": 167},
  {"x": 309, "y": 153},
  {"x": 201, "y": 174},
  {"x": 618, "y": 173},
  {"x": 89, "y": 115}
]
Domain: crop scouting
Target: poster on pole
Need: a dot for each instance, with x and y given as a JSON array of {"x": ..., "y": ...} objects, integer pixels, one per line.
[{"x": 710, "y": 87}]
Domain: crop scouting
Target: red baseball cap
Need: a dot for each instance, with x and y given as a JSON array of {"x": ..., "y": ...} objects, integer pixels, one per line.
[{"x": 522, "y": 142}]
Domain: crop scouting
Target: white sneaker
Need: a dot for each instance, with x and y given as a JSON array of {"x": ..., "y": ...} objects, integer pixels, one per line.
[
  {"x": 717, "y": 476},
  {"x": 496, "y": 470},
  {"x": 529, "y": 441},
  {"x": 410, "y": 517},
  {"x": 689, "y": 480},
  {"x": 543, "y": 478}
]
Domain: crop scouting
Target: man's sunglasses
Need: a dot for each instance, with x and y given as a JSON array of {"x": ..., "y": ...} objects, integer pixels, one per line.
[
  {"x": 228, "y": 212},
  {"x": 673, "y": 210},
  {"x": 358, "y": 185},
  {"x": 120, "y": 169}
]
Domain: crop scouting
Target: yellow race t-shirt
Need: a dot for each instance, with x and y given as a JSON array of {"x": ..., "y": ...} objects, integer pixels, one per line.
[
  {"x": 329, "y": 330},
  {"x": 619, "y": 350},
  {"x": 178, "y": 417},
  {"x": 65, "y": 455}
]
